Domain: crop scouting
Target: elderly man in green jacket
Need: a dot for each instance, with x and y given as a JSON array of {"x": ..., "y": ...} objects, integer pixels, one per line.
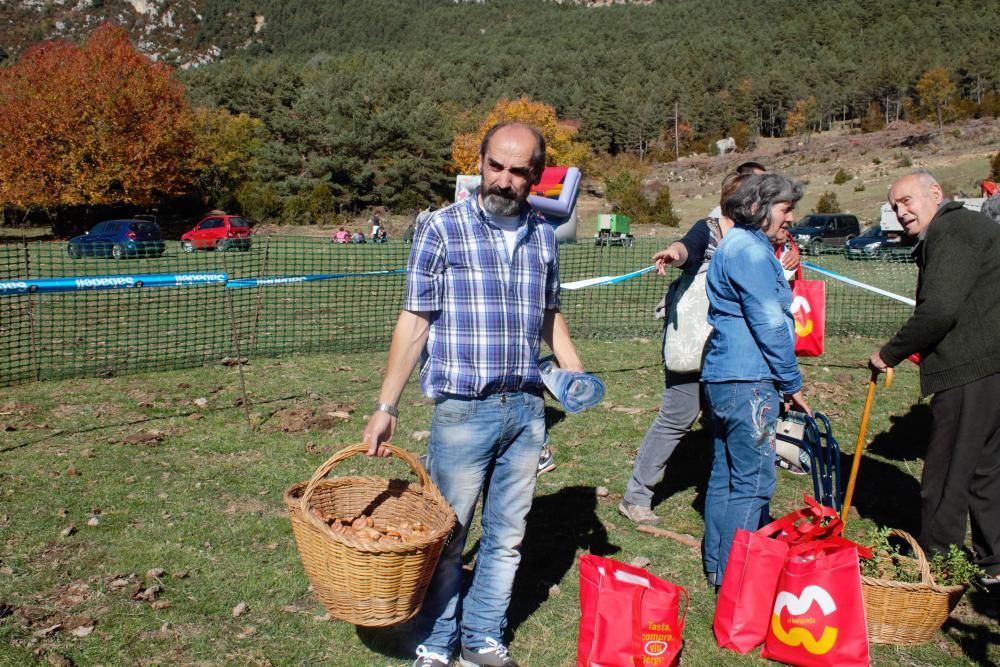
[{"x": 956, "y": 329}]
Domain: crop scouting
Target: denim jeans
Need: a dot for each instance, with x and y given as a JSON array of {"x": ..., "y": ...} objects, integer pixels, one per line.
[
  {"x": 489, "y": 445},
  {"x": 744, "y": 415},
  {"x": 679, "y": 409}
]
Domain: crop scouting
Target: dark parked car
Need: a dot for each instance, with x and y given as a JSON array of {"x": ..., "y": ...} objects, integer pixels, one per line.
[
  {"x": 878, "y": 243},
  {"x": 218, "y": 232},
  {"x": 119, "y": 239},
  {"x": 821, "y": 232}
]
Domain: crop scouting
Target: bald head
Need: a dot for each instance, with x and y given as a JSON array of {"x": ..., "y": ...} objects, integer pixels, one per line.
[
  {"x": 513, "y": 130},
  {"x": 511, "y": 160},
  {"x": 915, "y": 198}
]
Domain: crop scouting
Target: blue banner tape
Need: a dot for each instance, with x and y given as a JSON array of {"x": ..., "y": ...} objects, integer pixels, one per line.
[
  {"x": 286, "y": 280},
  {"x": 89, "y": 283}
]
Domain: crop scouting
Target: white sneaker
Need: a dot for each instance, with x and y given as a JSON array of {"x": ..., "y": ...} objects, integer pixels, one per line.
[{"x": 427, "y": 658}]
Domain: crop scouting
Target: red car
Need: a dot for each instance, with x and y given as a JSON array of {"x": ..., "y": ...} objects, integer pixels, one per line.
[{"x": 218, "y": 232}]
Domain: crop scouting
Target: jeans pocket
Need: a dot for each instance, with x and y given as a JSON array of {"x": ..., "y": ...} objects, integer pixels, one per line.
[
  {"x": 536, "y": 405},
  {"x": 721, "y": 397},
  {"x": 450, "y": 412}
]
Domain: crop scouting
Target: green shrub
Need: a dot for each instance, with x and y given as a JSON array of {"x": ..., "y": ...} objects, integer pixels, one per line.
[
  {"x": 841, "y": 177},
  {"x": 624, "y": 191},
  {"x": 296, "y": 210},
  {"x": 663, "y": 209},
  {"x": 954, "y": 568},
  {"x": 258, "y": 201},
  {"x": 860, "y": 187},
  {"x": 827, "y": 203},
  {"x": 876, "y": 160},
  {"x": 951, "y": 569}
]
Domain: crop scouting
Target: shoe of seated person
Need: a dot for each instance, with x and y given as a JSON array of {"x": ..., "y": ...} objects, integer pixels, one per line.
[
  {"x": 494, "y": 654},
  {"x": 427, "y": 658},
  {"x": 638, "y": 513}
]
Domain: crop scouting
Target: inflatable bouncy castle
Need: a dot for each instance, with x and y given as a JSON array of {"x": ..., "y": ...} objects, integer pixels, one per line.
[{"x": 554, "y": 198}]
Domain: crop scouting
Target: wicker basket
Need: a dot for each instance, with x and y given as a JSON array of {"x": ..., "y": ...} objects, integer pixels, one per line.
[
  {"x": 901, "y": 613},
  {"x": 369, "y": 583}
]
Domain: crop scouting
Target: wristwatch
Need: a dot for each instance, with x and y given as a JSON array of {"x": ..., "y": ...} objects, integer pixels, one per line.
[{"x": 388, "y": 409}]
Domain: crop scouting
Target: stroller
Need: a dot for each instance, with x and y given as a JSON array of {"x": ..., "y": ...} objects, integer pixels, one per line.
[{"x": 805, "y": 445}]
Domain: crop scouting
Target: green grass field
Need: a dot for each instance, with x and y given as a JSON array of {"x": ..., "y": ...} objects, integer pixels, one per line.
[
  {"x": 115, "y": 332},
  {"x": 165, "y": 485}
]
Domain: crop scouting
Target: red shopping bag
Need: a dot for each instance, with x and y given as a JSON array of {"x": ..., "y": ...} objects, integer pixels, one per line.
[
  {"x": 809, "y": 311},
  {"x": 754, "y": 567},
  {"x": 818, "y": 615},
  {"x": 627, "y": 616}
]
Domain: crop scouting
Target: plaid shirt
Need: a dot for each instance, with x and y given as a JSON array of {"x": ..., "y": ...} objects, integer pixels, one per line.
[{"x": 487, "y": 310}]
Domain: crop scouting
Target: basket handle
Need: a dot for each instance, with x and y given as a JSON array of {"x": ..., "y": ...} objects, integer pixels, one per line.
[
  {"x": 925, "y": 570},
  {"x": 346, "y": 453}
]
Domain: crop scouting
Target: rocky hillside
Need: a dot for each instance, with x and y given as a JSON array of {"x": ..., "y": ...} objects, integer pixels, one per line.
[{"x": 171, "y": 30}]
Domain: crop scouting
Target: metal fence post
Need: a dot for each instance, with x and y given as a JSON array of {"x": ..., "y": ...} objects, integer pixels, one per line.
[{"x": 236, "y": 344}]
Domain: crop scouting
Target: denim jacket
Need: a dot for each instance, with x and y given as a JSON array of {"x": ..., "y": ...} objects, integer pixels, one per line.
[{"x": 750, "y": 310}]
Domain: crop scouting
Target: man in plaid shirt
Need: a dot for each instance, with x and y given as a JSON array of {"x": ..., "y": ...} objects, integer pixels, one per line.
[{"x": 482, "y": 292}]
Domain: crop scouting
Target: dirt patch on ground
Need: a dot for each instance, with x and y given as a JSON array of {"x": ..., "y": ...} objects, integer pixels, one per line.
[
  {"x": 57, "y": 554},
  {"x": 833, "y": 396},
  {"x": 252, "y": 506},
  {"x": 305, "y": 419}
]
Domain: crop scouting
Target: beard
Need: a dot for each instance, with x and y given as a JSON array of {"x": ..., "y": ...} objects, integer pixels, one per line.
[{"x": 501, "y": 201}]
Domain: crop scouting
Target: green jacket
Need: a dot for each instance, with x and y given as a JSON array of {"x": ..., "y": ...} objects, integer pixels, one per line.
[{"x": 956, "y": 324}]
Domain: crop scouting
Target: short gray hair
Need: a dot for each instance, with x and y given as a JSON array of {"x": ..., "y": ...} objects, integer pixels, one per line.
[
  {"x": 751, "y": 203},
  {"x": 991, "y": 208}
]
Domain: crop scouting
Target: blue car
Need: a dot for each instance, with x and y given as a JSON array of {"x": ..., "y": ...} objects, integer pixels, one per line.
[
  {"x": 118, "y": 239},
  {"x": 878, "y": 243}
]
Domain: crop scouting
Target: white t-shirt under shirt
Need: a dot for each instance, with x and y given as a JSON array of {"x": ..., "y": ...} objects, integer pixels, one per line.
[{"x": 509, "y": 225}]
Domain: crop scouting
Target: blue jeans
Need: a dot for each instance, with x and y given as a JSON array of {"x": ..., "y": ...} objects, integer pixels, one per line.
[
  {"x": 744, "y": 415},
  {"x": 490, "y": 445}
]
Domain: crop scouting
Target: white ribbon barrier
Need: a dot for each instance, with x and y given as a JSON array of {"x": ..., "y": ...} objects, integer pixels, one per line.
[{"x": 857, "y": 283}]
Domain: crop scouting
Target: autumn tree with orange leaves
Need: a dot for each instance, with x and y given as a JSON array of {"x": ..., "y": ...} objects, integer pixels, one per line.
[
  {"x": 560, "y": 147},
  {"x": 93, "y": 124}
]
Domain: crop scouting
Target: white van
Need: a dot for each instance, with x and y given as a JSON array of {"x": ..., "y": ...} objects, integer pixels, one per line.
[{"x": 890, "y": 223}]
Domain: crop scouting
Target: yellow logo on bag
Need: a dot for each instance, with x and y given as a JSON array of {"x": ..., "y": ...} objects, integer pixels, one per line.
[
  {"x": 797, "y": 607},
  {"x": 656, "y": 638},
  {"x": 803, "y": 323}
]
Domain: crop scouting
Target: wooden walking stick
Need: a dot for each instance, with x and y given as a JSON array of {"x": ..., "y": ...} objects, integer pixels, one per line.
[{"x": 860, "y": 444}]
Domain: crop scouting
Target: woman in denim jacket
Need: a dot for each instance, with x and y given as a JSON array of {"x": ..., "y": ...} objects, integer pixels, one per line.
[{"x": 750, "y": 367}]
